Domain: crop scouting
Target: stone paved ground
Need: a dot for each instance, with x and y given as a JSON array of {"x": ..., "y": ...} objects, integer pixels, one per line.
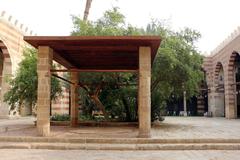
[
  {"x": 16, "y": 125},
  {"x": 197, "y": 127},
  {"x": 117, "y": 155},
  {"x": 172, "y": 127}
]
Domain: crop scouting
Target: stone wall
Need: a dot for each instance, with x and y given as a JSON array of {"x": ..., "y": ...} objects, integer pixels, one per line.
[
  {"x": 11, "y": 43},
  {"x": 223, "y": 57},
  {"x": 11, "y": 50},
  {"x": 61, "y": 105}
]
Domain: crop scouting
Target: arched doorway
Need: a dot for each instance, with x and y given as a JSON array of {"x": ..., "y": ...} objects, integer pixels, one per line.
[
  {"x": 219, "y": 109},
  {"x": 5, "y": 72},
  {"x": 232, "y": 86},
  {"x": 1, "y": 72},
  {"x": 237, "y": 83}
]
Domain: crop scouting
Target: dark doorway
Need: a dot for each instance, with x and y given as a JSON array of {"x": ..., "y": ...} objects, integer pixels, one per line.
[
  {"x": 237, "y": 80},
  {"x": 1, "y": 71},
  {"x": 219, "y": 110}
]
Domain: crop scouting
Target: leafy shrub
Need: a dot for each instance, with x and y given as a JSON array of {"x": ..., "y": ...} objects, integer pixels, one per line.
[
  {"x": 60, "y": 117},
  {"x": 86, "y": 117}
]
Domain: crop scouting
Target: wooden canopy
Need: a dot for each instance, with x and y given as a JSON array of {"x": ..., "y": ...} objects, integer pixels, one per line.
[{"x": 97, "y": 52}]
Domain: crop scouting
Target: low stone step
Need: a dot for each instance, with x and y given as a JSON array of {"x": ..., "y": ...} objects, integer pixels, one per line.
[
  {"x": 115, "y": 141},
  {"x": 70, "y": 146}
]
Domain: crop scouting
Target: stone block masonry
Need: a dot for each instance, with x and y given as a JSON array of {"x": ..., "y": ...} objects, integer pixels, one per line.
[
  {"x": 11, "y": 51},
  {"x": 144, "y": 92},
  {"x": 45, "y": 56},
  {"x": 223, "y": 59}
]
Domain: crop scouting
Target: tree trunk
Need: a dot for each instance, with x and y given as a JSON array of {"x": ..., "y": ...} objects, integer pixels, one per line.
[
  {"x": 31, "y": 107},
  {"x": 87, "y": 8},
  {"x": 99, "y": 105},
  {"x": 20, "y": 107},
  {"x": 126, "y": 106}
]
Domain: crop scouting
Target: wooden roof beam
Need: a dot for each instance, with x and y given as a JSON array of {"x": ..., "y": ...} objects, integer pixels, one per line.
[{"x": 58, "y": 58}]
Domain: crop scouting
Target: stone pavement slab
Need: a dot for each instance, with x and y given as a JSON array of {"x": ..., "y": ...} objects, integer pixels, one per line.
[
  {"x": 122, "y": 147},
  {"x": 26, "y": 154},
  {"x": 171, "y": 128}
]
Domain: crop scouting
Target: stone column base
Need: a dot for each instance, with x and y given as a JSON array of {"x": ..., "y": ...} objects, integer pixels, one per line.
[
  {"x": 43, "y": 130},
  {"x": 144, "y": 135}
]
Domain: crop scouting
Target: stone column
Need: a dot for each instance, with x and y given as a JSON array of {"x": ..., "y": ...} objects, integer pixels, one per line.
[
  {"x": 212, "y": 99},
  {"x": 230, "y": 95},
  {"x": 185, "y": 103},
  {"x": 44, "y": 64},
  {"x": 6, "y": 74},
  {"x": 200, "y": 105},
  {"x": 74, "y": 99},
  {"x": 218, "y": 110},
  {"x": 144, "y": 92}
]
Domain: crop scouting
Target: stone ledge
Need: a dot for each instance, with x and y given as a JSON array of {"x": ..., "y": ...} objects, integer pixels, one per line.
[
  {"x": 152, "y": 141},
  {"x": 69, "y": 146}
]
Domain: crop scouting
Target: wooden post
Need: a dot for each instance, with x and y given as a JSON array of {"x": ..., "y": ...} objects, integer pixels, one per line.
[
  {"x": 144, "y": 92},
  {"x": 44, "y": 64},
  {"x": 74, "y": 99}
]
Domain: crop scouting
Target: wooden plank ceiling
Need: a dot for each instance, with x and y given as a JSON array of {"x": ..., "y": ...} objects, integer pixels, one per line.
[{"x": 97, "y": 52}]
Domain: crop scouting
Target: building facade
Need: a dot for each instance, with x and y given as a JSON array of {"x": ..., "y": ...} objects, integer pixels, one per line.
[
  {"x": 11, "y": 54},
  {"x": 222, "y": 69}
]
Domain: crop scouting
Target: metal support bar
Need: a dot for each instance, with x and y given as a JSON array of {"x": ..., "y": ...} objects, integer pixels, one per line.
[
  {"x": 62, "y": 78},
  {"x": 90, "y": 70}
]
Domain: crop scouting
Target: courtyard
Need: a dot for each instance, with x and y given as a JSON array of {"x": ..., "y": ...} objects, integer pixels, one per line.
[
  {"x": 97, "y": 85},
  {"x": 170, "y": 128}
]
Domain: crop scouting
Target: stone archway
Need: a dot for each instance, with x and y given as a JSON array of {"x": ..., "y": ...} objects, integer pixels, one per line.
[
  {"x": 5, "y": 72},
  {"x": 237, "y": 83},
  {"x": 1, "y": 72},
  {"x": 219, "y": 107},
  {"x": 231, "y": 86}
]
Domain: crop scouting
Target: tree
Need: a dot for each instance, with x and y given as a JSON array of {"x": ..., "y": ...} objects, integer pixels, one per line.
[
  {"x": 177, "y": 67},
  {"x": 87, "y": 8},
  {"x": 24, "y": 84},
  {"x": 112, "y": 23}
]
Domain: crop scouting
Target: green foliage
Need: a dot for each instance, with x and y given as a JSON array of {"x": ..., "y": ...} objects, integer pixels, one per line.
[
  {"x": 60, "y": 117},
  {"x": 112, "y": 93},
  {"x": 177, "y": 67},
  {"x": 85, "y": 117},
  {"x": 24, "y": 84},
  {"x": 112, "y": 23}
]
